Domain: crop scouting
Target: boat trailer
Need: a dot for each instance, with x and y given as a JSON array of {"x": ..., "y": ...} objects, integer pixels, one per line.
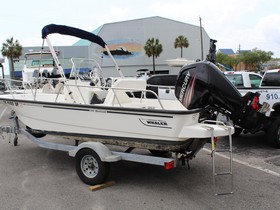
[{"x": 93, "y": 158}]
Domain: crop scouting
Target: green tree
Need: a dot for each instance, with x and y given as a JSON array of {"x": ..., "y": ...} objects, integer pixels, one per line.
[
  {"x": 229, "y": 61},
  {"x": 249, "y": 59},
  {"x": 263, "y": 57},
  {"x": 11, "y": 49},
  {"x": 256, "y": 58},
  {"x": 181, "y": 42},
  {"x": 153, "y": 48},
  {"x": 220, "y": 57}
]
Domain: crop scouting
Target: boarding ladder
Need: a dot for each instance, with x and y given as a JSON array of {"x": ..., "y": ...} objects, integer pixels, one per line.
[
  {"x": 226, "y": 173},
  {"x": 214, "y": 150}
]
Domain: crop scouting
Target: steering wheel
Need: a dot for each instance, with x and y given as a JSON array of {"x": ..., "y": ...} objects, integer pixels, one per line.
[{"x": 97, "y": 77}]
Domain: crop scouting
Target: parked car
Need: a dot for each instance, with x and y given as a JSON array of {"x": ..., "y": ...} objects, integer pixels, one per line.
[
  {"x": 271, "y": 78},
  {"x": 268, "y": 86},
  {"x": 244, "y": 79}
]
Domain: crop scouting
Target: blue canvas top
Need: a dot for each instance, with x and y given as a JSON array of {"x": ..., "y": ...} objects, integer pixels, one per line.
[{"x": 66, "y": 30}]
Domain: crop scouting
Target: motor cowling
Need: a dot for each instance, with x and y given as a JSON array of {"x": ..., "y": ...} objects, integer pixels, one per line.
[{"x": 203, "y": 85}]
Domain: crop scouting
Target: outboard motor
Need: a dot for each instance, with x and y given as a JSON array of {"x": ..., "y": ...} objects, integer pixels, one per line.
[{"x": 203, "y": 85}]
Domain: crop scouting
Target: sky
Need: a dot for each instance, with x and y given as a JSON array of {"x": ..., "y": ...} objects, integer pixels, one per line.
[{"x": 244, "y": 24}]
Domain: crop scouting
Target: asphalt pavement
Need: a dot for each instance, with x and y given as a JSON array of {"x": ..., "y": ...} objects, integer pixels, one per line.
[{"x": 36, "y": 178}]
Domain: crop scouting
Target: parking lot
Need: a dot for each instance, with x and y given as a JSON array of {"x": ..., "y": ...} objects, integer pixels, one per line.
[{"x": 35, "y": 178}]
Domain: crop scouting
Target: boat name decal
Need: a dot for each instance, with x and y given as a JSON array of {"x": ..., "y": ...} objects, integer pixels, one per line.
[{"x": 157, "y": 123}]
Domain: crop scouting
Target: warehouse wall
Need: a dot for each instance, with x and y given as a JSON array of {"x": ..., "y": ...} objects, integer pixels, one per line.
[{"x": 133, "y": 35}]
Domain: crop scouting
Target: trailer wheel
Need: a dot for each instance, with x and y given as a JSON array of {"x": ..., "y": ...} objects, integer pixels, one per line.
[
  {"x": 273, "y": 132},
  {"x": 90, "y": 168},
  {"x": 16, "y": 141}
]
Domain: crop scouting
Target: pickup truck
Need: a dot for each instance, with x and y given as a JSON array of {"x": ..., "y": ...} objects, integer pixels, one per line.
[
  {"x": 244, "y": 79},
  {"x": 267, "y": 86}
]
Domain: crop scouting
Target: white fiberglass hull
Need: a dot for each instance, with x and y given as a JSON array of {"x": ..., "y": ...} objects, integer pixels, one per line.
[
  {"x": 103, "y": 121},
  {"x": 167, "y": 127}
]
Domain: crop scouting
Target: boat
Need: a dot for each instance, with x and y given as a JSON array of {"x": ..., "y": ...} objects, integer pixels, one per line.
[
  {"x": 110, "y": 115},
  {"x": 38, "y": 65}
]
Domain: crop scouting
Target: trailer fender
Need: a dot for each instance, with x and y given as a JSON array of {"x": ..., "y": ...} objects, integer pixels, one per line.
[{"x": 103, "y": 152}]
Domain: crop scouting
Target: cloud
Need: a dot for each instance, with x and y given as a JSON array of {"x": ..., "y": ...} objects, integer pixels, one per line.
[
  {"x": 250, "y": 23},
  {"x": 268, "y": 28},
  {"x": 265, "y": 34}
]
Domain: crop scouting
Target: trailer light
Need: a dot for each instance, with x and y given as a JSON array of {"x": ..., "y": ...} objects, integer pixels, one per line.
[
  {"x": 169, "y": 165},
  {"x": 216, "y": 139},
  {"x": 254, "y": 103}
]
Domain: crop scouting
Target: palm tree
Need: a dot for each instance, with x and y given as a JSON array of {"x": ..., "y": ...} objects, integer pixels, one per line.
[
  {"x": 11, "y": 49},
  {"x": 153, "y": 48},
  {"x": 181, "y": 42}
]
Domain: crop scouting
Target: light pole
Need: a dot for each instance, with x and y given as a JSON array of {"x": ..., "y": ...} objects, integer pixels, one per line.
[{"x": 201, "y": 40}]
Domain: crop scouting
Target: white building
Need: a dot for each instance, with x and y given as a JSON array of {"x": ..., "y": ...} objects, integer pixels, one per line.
[{"x": 126, "y": 39}]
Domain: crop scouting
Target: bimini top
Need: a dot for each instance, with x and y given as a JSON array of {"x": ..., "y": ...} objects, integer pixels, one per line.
[{"x": 66, "y": 30}]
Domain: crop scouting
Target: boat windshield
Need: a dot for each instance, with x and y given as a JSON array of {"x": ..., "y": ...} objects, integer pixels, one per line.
[
  {"x": 41, "y": 63},
  {"x": 39, "y": 60},
  {"x": 82, "y": 68}
]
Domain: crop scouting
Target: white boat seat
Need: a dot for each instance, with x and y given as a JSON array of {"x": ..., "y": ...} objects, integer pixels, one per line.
[
  {"x": 59, "y": 88},
  {"x": 36, "y": 73},
  {"x": 47, "y": 88},
  {"x": 45, "y": 73},
  {"x": 117, "y": 95}
]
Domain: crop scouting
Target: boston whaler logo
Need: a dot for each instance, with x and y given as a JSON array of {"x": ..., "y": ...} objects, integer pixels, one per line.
[{"x": 155, "y": 123}]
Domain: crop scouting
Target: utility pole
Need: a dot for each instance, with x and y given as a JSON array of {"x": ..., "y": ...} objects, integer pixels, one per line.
[
  {"x": 201, "y": 40},
  {"x": 239, "y": 48}
]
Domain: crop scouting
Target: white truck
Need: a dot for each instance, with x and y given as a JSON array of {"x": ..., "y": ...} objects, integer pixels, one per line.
[
  {"x": 244, "y": 79},
  {"x": 268, "y": 86}
]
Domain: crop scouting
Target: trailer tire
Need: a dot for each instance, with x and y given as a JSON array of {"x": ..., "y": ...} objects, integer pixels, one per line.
[
  {"x": 273, "y": 134},
  {"x": 15, "y": 141},
  {"x": 90, "y": 168}
]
